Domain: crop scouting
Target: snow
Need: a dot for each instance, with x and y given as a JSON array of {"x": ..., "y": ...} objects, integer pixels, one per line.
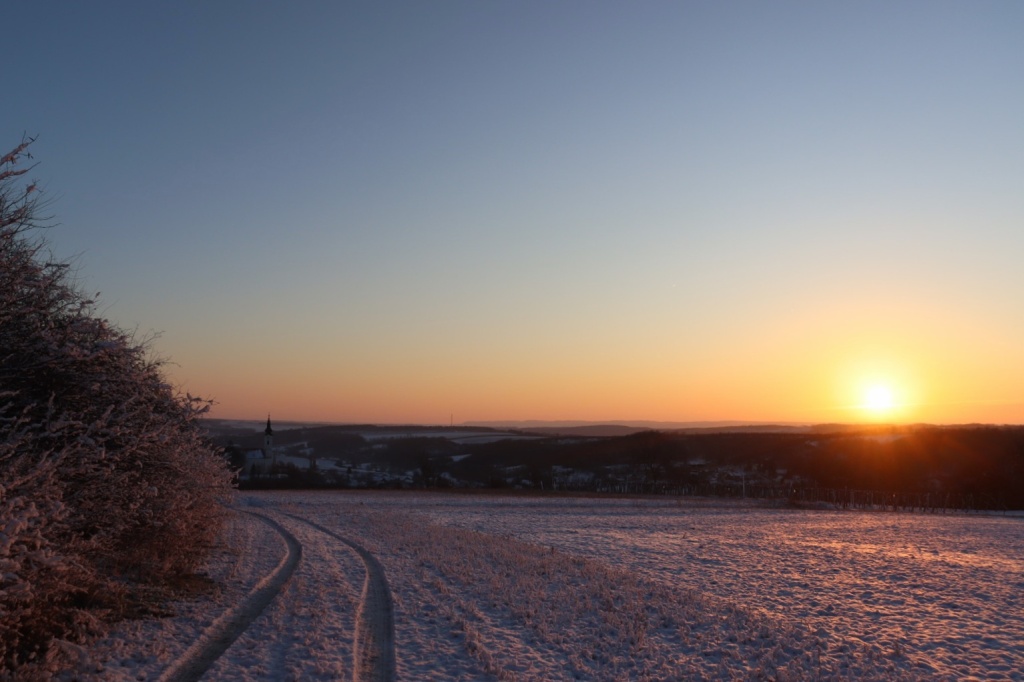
[
  {"x": 305, "y": 462},
  {"x": 552, "y": 588}
]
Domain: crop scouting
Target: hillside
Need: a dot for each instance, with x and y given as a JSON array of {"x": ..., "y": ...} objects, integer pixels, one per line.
[{"x": 916, "y": 466}]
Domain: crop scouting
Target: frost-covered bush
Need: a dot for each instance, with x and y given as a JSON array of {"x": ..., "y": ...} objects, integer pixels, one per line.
[{"x": 105, "y": 477}]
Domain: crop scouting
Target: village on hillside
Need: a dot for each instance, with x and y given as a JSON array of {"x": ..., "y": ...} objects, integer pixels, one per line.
[{"x": 919, "y": 467}]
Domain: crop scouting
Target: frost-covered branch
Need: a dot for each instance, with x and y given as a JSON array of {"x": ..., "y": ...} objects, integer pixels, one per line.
[{"x": 104, "y": 471}]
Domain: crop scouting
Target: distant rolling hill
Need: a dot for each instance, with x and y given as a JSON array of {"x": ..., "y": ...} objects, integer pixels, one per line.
[{"x": 629, "y": 427}]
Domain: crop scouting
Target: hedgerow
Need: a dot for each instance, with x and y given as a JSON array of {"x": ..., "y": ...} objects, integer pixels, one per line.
[{"x": 106, "y": 481}]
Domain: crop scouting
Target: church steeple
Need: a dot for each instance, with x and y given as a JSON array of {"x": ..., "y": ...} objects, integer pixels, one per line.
[{"x": 268, "y": 442}]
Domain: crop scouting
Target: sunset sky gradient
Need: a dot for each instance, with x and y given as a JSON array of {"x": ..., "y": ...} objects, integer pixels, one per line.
[{"x": 413, "y": 211}]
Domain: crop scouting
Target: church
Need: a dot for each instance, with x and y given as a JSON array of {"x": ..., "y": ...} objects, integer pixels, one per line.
[{"x": 260, "y": 462}]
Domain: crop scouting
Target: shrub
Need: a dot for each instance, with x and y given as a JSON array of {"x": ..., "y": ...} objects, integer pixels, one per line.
[{"x": 106, "y": 480}]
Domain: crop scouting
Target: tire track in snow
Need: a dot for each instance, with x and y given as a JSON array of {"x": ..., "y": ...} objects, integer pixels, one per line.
[
  {"x": 216, "y": 639},
  {"x": 375, "y": 620}
]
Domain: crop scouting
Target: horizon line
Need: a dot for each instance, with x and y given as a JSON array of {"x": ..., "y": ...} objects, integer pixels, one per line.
[{"x": 630, "y": 423}]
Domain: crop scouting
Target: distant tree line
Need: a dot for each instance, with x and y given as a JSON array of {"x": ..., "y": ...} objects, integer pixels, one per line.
[{"x": 978, "y": 467}]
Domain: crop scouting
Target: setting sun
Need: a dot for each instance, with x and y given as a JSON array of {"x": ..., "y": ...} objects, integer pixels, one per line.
[{"x": 878, "y": 400}]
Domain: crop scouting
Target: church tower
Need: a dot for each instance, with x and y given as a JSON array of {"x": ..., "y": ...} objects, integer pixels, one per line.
[{"x": 268, "y": 442}]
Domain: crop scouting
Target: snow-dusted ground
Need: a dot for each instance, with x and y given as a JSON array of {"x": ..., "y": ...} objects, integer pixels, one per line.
[{"x": 546, "y": 588}]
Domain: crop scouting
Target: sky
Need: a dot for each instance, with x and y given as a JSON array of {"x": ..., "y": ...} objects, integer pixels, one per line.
[{"x": 425, "y": 212}]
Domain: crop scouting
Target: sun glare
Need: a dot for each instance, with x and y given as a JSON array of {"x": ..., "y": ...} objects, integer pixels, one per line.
[{"x": 878, "y": 400}]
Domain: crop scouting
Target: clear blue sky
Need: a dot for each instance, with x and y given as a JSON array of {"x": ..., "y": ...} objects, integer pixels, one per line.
[{"x": 370, "y": 211}]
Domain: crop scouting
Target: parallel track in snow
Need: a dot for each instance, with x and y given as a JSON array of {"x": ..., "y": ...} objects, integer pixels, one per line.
[
  {"x": 375, "y": 620},
  {"x": 375, "y": 623}
]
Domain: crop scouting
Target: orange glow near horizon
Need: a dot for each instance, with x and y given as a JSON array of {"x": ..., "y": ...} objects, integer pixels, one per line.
[
  {"x": 793, "y": 368},
  {"x": 588, "y": 389}
]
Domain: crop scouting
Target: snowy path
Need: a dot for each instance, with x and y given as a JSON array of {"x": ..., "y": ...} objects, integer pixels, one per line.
[
  {"x": 375, "y": 621},
  {"x": 220, "y": 635},
  {"x": 291, "y": 644},
  {"x": 307, "y": 631},
  {"x": 374, "y": 624}
]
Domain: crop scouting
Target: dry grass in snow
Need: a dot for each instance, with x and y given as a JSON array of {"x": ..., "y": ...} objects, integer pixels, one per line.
[{"x": 520, "y": 610}]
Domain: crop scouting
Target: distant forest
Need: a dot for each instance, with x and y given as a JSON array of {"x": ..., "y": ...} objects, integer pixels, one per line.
[{"x": 928, "y": 467}]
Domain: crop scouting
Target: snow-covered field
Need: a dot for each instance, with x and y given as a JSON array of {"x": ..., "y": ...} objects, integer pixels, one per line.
[{"x": 548, "y": 588}]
